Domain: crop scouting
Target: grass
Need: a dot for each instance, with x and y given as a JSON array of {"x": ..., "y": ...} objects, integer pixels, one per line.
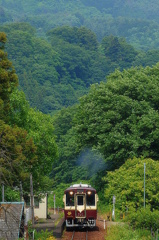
[{"x": 124, "y": 232}]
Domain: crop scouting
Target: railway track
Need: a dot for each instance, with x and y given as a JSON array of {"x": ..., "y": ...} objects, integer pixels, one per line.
[
  {"x": 80, "y": 235},
  {"x": 97, "y": 233}
]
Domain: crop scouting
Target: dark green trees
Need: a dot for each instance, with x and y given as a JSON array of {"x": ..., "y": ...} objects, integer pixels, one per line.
[
  {"x": 118, "y": 51},
  {"x": 27, "y": 141},
  {"x": 82, "y": 36},
  {"x": 120, "y": 118},
  {"x": 17, "y": 150}
]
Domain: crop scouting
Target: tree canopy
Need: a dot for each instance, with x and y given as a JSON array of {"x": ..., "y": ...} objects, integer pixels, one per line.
[
  {"x": 137, "y": 21},
  {"x": 120, "y": 118},
  {"x": 56, "y": 71},
  {"x": 127, "y": 184},
  {"x": 115, "y": 121},
  {"x": 8, "y": 78},
  {"x": 17, "y": 155},
  {"x": 27, "y": 140},
  {"x": 40, "y": 128}
]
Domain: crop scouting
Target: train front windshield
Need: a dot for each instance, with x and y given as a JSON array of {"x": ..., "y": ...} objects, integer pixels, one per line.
[
  {"x": 90, "y": 198},
  {"x": 70, "y": 198},
  {"x": 80, "y": 201}
]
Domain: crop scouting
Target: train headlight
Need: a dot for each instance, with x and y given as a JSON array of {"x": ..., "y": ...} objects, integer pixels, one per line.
[
  {"x": 71, "y": 193},
  {"x": 89, "y": 192}
]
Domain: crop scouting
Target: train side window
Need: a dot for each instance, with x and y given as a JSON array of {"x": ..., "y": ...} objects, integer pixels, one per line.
[
  {"x": 90, "y": 198},
  {"x": 69, "y": 199}
]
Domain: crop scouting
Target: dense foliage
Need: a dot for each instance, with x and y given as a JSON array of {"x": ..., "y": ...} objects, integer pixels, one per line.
[
  {"x": 62, "y": 50},
  {"x": 127, "y": 184},
  {"x": 124, "y": 232},
  {"x": 135, "y": 20},
  {"x": 56, "y": 71},
  {"x": 17, "y": 158},
  {"x": 27, "y": 141},
  {"x": 8, "y": 79},
  {"x": 120, "y": 117},
  {"x": 115, "y": 121}
]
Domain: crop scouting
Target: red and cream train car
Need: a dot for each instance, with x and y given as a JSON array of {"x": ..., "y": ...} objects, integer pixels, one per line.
[{"x": 80, "y": 206}]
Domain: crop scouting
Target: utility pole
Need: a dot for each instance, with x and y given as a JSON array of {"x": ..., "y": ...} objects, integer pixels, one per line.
[
  {"x": 113, "y": 213},
  {"x": 32, "y": 198},
  {"x": 54, "y": 205},
  {"x": 144, "y": 182},
  {"x": 21, "y": 192}
]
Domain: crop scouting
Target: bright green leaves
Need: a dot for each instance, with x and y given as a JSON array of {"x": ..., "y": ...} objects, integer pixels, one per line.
[
  {"x": 127, "y": 184},
  {"x": 39, "y": 126},
  {"x": 19, "y": 108},
  {"x": 8, "y": 79}
]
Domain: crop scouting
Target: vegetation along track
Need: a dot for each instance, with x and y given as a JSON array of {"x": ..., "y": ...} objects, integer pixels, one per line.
[{"x": 97, "y": 233}]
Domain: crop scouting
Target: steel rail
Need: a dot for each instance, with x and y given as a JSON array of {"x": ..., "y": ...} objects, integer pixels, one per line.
[{"x": 73, "y": 235}]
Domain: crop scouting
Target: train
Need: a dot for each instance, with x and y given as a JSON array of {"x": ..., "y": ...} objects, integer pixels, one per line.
[{"x": 80, "y": 206}]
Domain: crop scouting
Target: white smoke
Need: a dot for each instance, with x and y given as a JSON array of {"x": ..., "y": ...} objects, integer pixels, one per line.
[{"x": 91, "y": 160}]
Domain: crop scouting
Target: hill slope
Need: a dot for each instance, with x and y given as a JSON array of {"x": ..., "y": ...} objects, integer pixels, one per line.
[{"x": 137, "y": 21}]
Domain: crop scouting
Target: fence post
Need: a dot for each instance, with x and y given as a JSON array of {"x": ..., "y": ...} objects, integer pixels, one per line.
[{"x": 26, "y": 234}]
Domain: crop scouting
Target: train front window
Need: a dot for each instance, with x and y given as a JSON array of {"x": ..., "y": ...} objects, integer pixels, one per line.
[
  {"x": 70, "y": 198},
  {"x": 90, "y": 198},
  {"x": 80, "y": 200}
]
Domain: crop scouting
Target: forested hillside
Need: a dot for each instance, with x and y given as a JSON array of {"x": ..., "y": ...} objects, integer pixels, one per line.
[
  {"x": 27, "y": 140},
  {"x": 133, "y": 9},
  {"x": 82, "y": 42},
  {"x": 92, "y": 70},
  {"x": 115, "y": 121},
  {"x": 54, "y": 72},
  {"x": 137, "y": 21}
]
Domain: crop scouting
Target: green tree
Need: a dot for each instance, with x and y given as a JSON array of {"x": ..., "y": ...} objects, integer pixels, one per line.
[
  {"x": 81, "y": 36},
  {"x": 19, "y": 108},
  {"x": 63, "y": 166},
  {"x": 35, "y": 62},
  {"x": 118, "y": 51},
  {"x": 17, "y": 155},
  {"x": 148, "y": 58},
  {"x": 120, "y": 118},
  {"x": 127, "y": 184},
  {"x": 39, "y": 127},
  {"x": 8, "y": 79},
  {"x": 71, "y": 164}
]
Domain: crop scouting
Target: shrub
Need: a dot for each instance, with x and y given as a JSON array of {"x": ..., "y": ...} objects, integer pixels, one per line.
[
  {"x": 124, "y": 232},
  {"x": 44, "y": 235},
  {"x": 144, "y": 218}
]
